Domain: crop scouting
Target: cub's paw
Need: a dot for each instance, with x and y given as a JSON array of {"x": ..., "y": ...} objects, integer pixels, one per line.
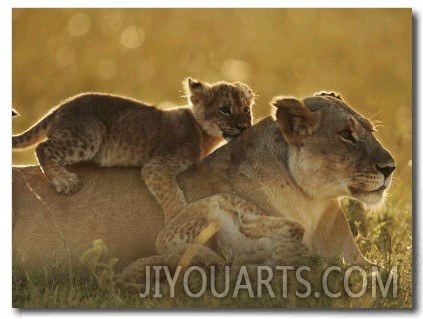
[
  {"x": 275, "y": 227},
  {"x": 67, "y": 184},
  {"x": 254, "y": 225}
]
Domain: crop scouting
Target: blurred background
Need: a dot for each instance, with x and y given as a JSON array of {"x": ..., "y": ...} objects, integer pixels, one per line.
[{"x": 364, "y": 54}]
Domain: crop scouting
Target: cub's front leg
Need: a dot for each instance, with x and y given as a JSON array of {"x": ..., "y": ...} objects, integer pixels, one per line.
[{"x": 159, "y": 175}]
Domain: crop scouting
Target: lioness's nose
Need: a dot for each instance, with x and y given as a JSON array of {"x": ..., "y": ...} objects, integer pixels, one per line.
[{"x": 385, "y": 170}]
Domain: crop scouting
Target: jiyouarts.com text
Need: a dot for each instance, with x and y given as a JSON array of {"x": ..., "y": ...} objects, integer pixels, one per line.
[{"x": 267, "y": 280}]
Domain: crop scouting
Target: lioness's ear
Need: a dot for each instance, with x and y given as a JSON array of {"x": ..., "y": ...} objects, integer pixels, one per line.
[
  {"x": 295, "y": 120},
  {"x": 196, "y": 91}
]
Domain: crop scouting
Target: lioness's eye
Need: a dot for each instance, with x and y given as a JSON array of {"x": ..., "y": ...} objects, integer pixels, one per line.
[
  {"x": 347, "y": 135},
  {"x": 247, "y": 110},
  {"x": 225, "y": 110}
]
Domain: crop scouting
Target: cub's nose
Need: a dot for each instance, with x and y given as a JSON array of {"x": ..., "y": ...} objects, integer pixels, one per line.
[{"x": 385, "y": 170}]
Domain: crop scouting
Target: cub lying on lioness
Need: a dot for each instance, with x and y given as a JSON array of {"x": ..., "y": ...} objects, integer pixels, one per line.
[
  {"x": 286, "y": 175},
  {"x": 117, "y": 131}
]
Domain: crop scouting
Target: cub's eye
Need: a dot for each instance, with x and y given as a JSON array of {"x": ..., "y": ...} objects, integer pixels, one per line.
[
  {"x": 246, "y": 110},
  {"x": 226, "y": 110},
  {"x": 347, "y": 136}
]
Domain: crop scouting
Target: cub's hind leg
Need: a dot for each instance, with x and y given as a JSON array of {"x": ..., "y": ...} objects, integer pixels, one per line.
[
  {"x": 159, "y": 174},
  {"x": 52, "y": 159},
  {"x": 67, "y": 146}
]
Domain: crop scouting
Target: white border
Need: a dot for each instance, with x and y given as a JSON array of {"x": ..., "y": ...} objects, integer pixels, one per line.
[
  {"x": 5, "y": 144},
  {"x": 208, "y": 4}
]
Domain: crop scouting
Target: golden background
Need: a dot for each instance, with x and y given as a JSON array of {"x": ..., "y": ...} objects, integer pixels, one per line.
[{"x": 364, "y": 54}]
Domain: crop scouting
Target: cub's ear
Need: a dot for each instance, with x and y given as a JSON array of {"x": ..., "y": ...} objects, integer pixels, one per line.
[
  {"x": 295, "y": 120},
  {"x": 248, "y": 92},
  {"x": 15, "y": 113},
  {"x": 196, "y": 91}
]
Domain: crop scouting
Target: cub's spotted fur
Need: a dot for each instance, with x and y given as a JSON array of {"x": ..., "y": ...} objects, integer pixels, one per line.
[{"x": 111, "y": 130}]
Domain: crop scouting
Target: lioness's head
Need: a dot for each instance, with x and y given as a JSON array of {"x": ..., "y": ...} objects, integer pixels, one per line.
[
  {"x": 223, "y": 109},
  {"x": 332, "y": 150}
]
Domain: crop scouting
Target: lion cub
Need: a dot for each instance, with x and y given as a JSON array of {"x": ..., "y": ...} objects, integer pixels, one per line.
[{"x": 112, "y": 130}]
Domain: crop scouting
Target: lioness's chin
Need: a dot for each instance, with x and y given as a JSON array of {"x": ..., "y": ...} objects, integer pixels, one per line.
[{"x": 372, "y": 198}]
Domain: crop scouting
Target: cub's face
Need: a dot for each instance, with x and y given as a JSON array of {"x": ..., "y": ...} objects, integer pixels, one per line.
[
  {"x": 333, "y": 151},
  {"x": 223, "y": 109}
]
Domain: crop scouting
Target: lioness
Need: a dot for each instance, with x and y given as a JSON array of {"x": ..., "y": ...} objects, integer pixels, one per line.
[
  {"x": 295, "y": 165},
  {"x": 112, "y": 130},
  {"x": 316, "y": 151}
]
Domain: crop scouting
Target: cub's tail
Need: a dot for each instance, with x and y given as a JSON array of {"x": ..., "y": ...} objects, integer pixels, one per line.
[{"x": 33, "y": 135}]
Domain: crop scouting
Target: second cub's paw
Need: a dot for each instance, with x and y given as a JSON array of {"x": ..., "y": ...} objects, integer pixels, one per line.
[
  {"x": 253, "y": 226},
  {"x": 263, "y": 226},
  {"x": 68, "y": 184}
]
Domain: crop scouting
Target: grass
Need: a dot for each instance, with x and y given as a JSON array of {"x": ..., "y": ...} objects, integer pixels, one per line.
[{"x": 382, "y": 236}]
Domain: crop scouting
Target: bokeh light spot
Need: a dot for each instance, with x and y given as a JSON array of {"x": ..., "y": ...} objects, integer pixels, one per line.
[
  {"x": 132, "y": 37},
  {"x": 79, "y": 24}
]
